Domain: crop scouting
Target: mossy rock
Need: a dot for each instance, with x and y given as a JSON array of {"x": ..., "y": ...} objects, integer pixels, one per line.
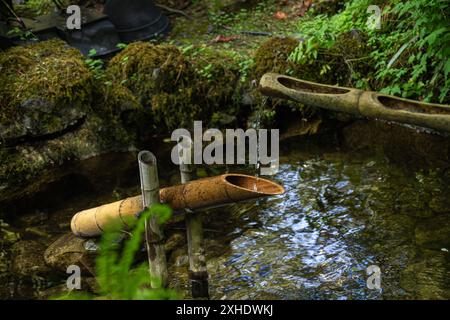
[
  {"x": 349, "y": 57},
  {"x": 334, "y": 65},
  {"x": 25, "y": 168},
  {"x": 272, "y": 56},
  {"x": 176, "y": 87},
  {"x": 45, "y": 87}
]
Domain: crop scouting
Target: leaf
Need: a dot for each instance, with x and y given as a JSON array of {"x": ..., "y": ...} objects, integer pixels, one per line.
[
  {"x": 432, "y": 37},
  {"x": 447, "y": 68},
  {"x": 221, "y": 38},
  {"x": 280, "y": 15}
]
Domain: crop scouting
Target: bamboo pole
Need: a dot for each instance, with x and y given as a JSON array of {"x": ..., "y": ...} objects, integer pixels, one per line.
[
  {"x": 154, "y": 237},
  {"x": 198, "y": 272},
  {"x": 354, "y": 101},
  {"x": 199, "y": 194}
]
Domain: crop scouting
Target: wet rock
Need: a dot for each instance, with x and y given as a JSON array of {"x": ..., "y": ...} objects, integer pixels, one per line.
[
  {"x": 400, "y": 144},
  {"x": 433, "y": 232},
  {"x": 70, "y": 250},
  {"x": 36, "y": 113},
  {"x": 28, "y": 258},
  {"x": 27, "y": 167}
]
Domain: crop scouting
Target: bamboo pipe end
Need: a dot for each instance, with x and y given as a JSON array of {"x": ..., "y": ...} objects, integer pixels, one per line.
[
  {"x": 242, "y": 186},
  {"x": 83, "y": 224},
  {"x": 288, "y": 85}
]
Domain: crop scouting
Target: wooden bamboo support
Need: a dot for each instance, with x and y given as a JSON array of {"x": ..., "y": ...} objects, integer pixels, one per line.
[
  {"x": 198, "y": 272},
  {"x": 154, "y": 237}
]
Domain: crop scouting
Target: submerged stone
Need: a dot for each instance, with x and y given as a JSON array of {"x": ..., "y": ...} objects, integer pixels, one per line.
[{"x": 70, "y": 250}]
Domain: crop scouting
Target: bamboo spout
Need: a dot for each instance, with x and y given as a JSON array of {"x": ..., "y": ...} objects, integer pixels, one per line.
[
  {"x": 363, "y": 103},
  {"x": 195, "y": 195},
  {"x": 427, "y": 115},
  {"x": 310, "y": 93}
]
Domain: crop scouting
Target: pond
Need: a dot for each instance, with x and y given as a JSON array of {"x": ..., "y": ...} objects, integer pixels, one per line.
[{"x": 343, "y": 211}]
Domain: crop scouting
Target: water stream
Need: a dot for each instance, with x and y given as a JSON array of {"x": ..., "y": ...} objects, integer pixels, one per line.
[{"x": 342, "y": 212}]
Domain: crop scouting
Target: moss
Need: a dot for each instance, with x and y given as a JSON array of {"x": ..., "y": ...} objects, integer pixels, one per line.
[
  {"x": 272, "y": 56},
  {"x": 328, "y": 7},
  {"x": 112, "y": 99},
  {"x": 344, "y": 60},
  {"x": 176, "y": 88},
  {"x": 49, "y": 72},
  {"x": 350, "y": 57},
  {"x": 216, "y": 75},
  {"x": 61, "y": 89}
]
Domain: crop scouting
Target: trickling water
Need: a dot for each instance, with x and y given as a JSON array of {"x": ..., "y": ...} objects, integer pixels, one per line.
[{"x": 257, "y": 126}]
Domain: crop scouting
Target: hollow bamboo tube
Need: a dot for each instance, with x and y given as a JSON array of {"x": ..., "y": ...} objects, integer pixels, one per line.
[
  {"x": 154, "y": 236},
  {"x": 310, "y": 93},
  {"x": 427, "y": 115},
  {"x": 363, "y": 103},
  {"x": 195, "y": 195}
]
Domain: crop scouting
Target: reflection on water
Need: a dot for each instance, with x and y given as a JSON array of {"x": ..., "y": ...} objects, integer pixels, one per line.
[{"x": 341, "y": 213}]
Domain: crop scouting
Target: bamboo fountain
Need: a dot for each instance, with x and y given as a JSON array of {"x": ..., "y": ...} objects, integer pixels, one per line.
[{"x": 357, "y": 102}]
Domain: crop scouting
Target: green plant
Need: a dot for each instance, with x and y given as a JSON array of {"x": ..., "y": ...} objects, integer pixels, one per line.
[
  {"x": 409, "y": 55},
  {"x": 414, "y": 60},
  {"x": 117, "y": 275},
  {"x": 95, "y": 65}
]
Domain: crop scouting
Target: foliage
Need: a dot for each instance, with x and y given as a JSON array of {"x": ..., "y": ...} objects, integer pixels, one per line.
[
  {"x": 117, "y": 276},
  {"x": 95, "y": 65},
  {"x": 37, "y": 7},
  {"x": 423, "y": 68},
  {"x": 408, "y": 55}
]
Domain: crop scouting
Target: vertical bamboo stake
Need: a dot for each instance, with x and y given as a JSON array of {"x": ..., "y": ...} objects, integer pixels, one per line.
[
  {"x": 154, "y": 237},
  {"x": 198, "y": 273}
]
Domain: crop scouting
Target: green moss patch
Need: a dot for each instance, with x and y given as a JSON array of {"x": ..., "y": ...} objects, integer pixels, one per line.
[
  {"x": 176, "y": 86},
  {"x": 45, "y": 87}
]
